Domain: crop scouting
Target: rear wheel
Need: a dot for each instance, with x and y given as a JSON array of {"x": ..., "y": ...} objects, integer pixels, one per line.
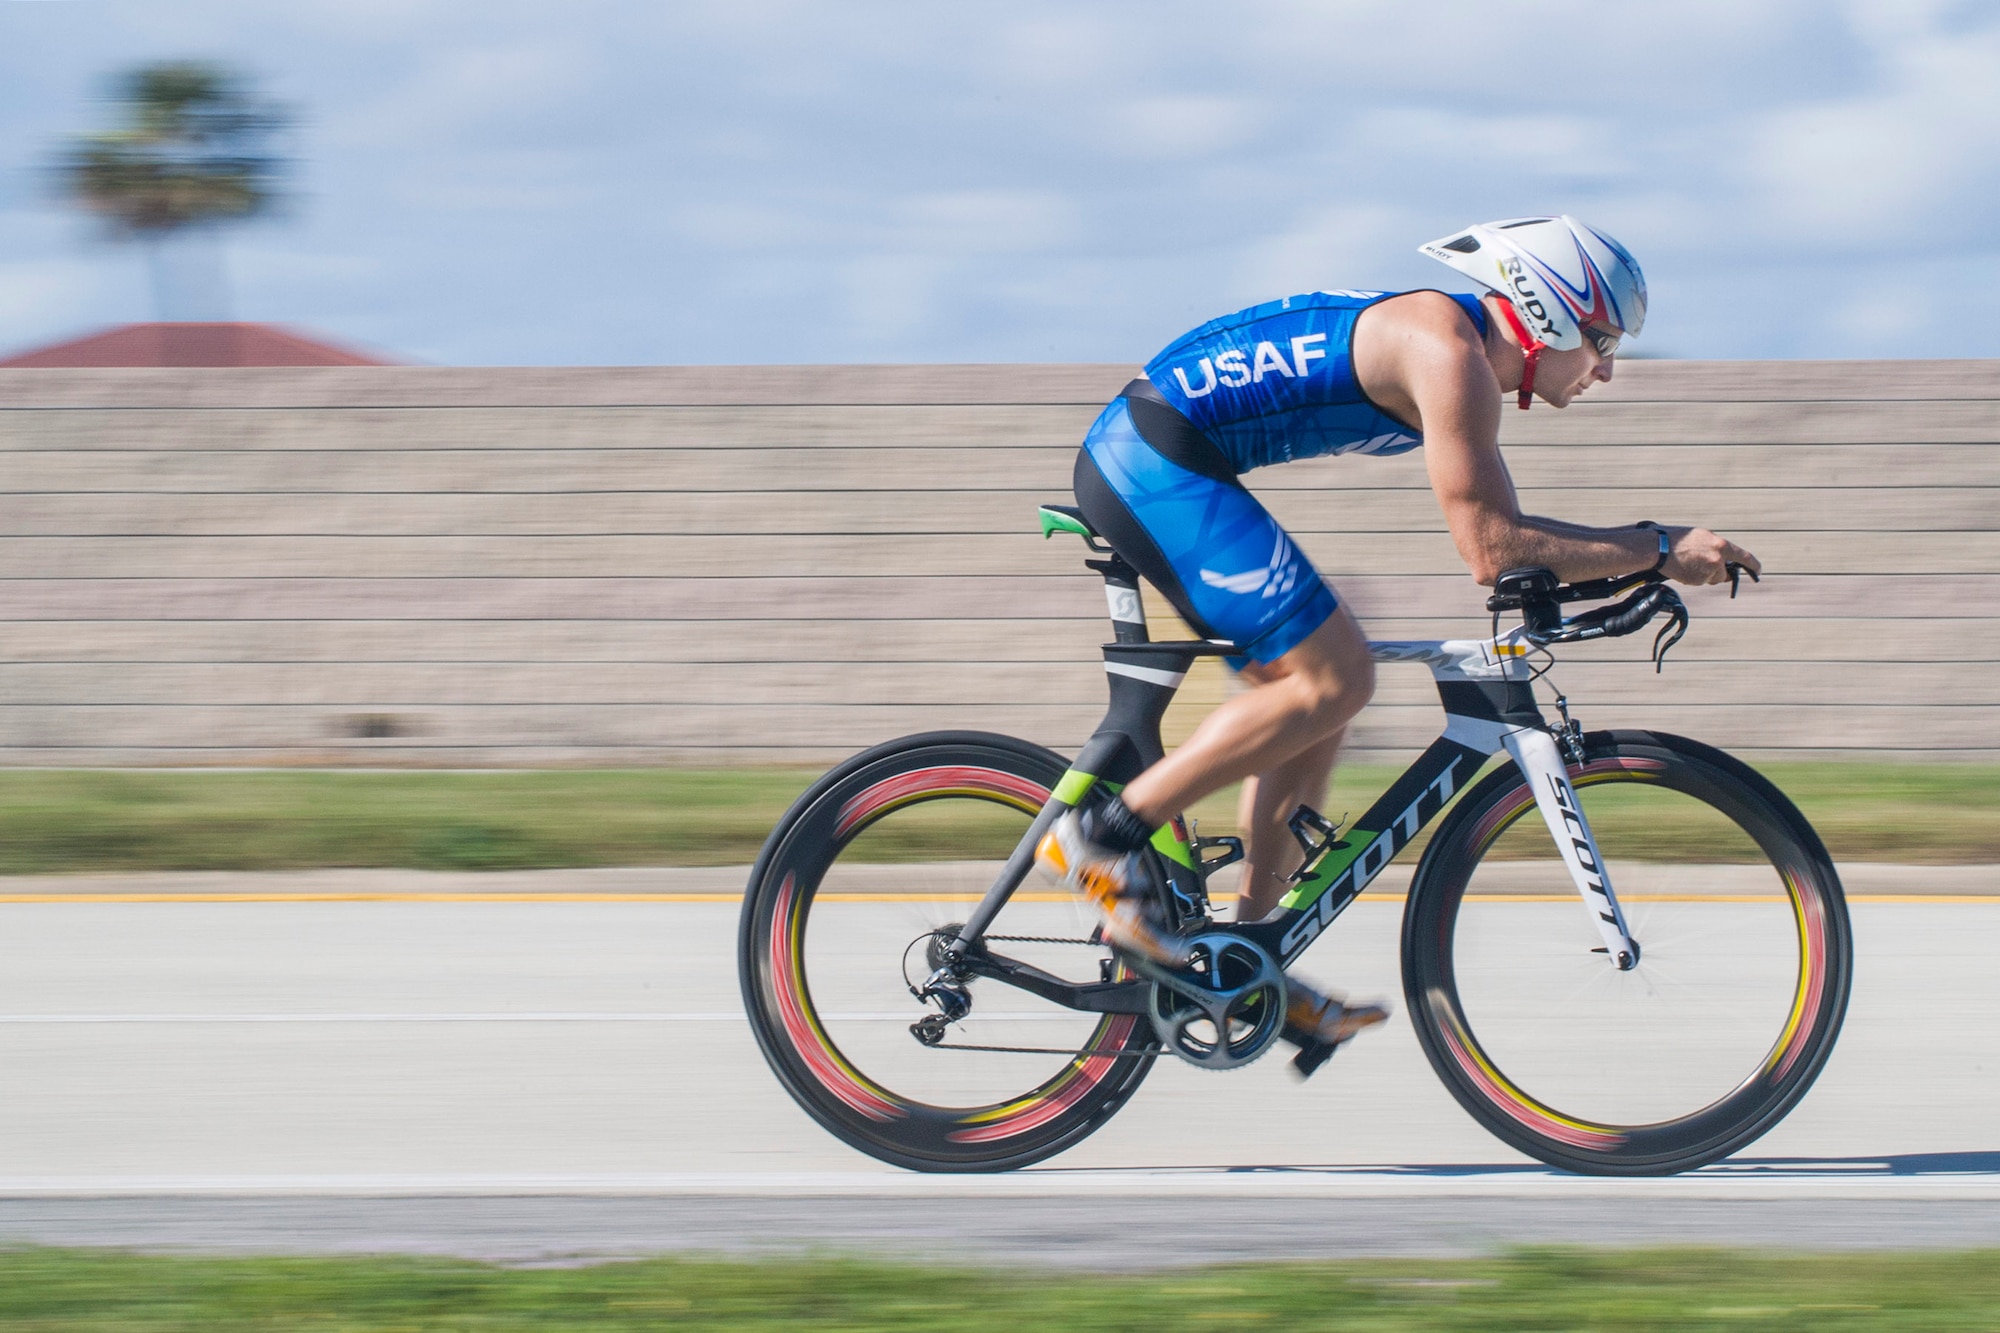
[
  {"x": 855, "y": 894},
  {"x": 1732, "y": 1010}
]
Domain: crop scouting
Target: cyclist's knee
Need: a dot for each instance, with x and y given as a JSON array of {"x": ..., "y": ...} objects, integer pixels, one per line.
[
  {"x": 1342, "y": 692},
  {"x": 1334, "y": 670}
]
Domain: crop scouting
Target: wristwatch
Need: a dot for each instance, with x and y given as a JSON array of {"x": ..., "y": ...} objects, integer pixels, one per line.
[{"x": 1666, "y": 544}]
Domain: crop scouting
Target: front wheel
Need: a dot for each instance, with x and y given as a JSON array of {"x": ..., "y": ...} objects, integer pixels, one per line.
[
  {"x": 856, "y": 892},
  {"x": 1745, "y": 959}
]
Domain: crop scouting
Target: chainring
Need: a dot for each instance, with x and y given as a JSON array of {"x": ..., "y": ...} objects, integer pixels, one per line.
[{"x": 1225, "y": 1008}]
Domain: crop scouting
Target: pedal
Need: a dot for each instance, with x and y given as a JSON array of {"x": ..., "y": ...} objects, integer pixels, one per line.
[{"x": 1312, "y": 1052}]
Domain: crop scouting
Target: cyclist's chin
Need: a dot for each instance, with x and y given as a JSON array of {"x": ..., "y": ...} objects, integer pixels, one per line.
[{"x": 1564, "y": 396}]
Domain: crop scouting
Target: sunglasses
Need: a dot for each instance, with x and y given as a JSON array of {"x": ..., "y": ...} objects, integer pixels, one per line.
[{"x": 1604, "y": 340}]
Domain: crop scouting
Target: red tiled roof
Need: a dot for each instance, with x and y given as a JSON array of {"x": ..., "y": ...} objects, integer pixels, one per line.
[{"x": 192, "y": 345}]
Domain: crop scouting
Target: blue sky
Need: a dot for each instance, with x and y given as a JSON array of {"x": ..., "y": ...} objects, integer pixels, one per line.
[{"x": 633, "y": 182}]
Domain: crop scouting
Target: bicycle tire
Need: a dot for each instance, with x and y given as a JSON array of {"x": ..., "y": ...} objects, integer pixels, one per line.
[
  {"x": 793, "y": 964},
  {"x": 1446, "y": 923}
]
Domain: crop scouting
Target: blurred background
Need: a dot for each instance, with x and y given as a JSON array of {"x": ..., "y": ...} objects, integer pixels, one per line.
[
  {"x": 446, "y": 562},
  {"x": 511, "y": 437}
]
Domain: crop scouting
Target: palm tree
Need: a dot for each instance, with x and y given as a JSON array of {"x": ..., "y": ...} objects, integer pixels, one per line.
[{"x": 194, "y": 152}]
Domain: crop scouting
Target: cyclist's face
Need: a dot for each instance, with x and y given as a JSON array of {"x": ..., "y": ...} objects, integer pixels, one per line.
[{"x": 1561, "y": 376}]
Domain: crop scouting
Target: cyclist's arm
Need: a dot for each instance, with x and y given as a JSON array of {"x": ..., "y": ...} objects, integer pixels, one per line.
[
  {"x": 1698, "y": 555},
  {"x": 1493, "y": 535},
  {"x": 1429, "y": 361}
]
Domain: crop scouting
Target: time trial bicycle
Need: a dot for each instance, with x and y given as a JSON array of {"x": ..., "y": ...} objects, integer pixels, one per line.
[{"x": 1623, "y": 952}]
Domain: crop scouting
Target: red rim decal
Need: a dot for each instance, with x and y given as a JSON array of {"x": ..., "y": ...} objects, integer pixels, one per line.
[
  {"x": 1812, "y": 984},
  {"x": 806, "y": 1037},
  {"x": 1047, "y": 1107},
  {"x": 1515, "y": 1103},
  {"x": 943, "y": 780}
]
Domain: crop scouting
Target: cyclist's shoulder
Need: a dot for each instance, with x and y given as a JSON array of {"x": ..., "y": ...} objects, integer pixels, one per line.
[
  {"x": 1305, "y": 305},
  {"x": 1445, "y": 314},
  {"x": 1418, "y": 346}
]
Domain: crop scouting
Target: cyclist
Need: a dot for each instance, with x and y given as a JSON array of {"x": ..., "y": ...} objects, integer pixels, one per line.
[{"x": 1337, "y": 372}]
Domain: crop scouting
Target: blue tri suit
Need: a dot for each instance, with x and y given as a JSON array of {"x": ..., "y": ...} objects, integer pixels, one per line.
[{"x": 1158, "y": 472}]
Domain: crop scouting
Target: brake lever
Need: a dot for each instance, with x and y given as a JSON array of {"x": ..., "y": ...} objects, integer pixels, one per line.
[
  {"x": 1670, "y": 633},
  {"x": 1736, "y": 572},
  {"x": 1627, "y": 617}
]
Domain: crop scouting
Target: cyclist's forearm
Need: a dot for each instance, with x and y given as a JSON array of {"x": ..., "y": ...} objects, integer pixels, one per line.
[
  {"x": 1572, "y": 550},
  {"x": 1564, "y": 528},
  {"x": 1483, "y": 511}
]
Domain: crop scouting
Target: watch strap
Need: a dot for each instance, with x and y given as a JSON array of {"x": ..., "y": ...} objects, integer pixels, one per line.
[{"x": 1666, "y": 544}]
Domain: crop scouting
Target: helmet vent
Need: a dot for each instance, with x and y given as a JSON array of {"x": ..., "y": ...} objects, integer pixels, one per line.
[{"x": 1464, "y": 245}]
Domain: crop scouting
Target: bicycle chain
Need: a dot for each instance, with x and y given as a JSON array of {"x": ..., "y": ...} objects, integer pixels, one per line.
[
  {"x": 1038, "y": 939},
  {"x": 1054, "y": 1050},
  {"x": 1153, "y": 1054}
]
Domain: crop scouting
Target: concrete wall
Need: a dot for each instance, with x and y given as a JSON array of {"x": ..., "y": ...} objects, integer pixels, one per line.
[{"x": 533, "y": 567}]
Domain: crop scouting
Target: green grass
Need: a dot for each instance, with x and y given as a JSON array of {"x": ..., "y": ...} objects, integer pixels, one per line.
[
  {"x": 103, "y": 821},
  {"x": 60, "y": 821},
  {"x": 53, "y": 1291},
  {"x": 1942, "y": 814}
]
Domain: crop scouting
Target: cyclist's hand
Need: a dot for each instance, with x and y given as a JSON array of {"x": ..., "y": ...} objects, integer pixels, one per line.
[{"x": 1700, "y": 556}]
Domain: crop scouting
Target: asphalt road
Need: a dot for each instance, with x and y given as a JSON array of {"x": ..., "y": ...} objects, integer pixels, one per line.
[{"x": 554, "y": 1075}]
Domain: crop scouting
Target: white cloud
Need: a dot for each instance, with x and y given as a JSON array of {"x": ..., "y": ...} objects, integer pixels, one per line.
[
  {"x": 1181, "y": 128},
  {"x": 1892, "y": 166},
  {"x": 1872, "y": 317},
  {"x": 743, "y": 225},
  {"x": 986, "y": 221},
  {"x": 465, "y": 91},
  {"x": 890, "y": 298},
  {"x": 47, "y": 300},
  {"x": 1055, "y": 51},
  {"x": 1576, "y": 144},
  {"x": 1328, "y": 246},
  {"x": 1079, "y": 179}
]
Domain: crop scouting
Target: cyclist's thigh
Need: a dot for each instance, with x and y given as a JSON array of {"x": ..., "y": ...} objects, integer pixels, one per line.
[
  {"x": 1335, "y": 652},
  {"x": 1208, "y": 544}
]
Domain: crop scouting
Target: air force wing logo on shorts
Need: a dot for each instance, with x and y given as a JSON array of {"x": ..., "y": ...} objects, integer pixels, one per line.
[{"x": 1274, "y": 580}]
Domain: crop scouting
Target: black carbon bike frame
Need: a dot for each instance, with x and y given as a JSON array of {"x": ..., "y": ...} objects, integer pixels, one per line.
[{"x": 1486, "y": 688}]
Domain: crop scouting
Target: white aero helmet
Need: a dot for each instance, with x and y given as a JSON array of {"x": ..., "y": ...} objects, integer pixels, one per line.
[{"x": 1559, "y": 277}]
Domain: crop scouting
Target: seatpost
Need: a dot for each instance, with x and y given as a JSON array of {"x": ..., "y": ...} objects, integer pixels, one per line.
[{"x": 1121, "y": 592}]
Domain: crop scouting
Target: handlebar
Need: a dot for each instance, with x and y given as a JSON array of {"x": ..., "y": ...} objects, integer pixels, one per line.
[{"x": 1539, "y": 596}]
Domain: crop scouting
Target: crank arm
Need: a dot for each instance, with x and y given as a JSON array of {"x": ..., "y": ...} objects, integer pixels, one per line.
[
  {"x": 1541, "y": 764},
  {"x": 1170, "y": 979},
  {"x": 1181, "y": 983}
]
